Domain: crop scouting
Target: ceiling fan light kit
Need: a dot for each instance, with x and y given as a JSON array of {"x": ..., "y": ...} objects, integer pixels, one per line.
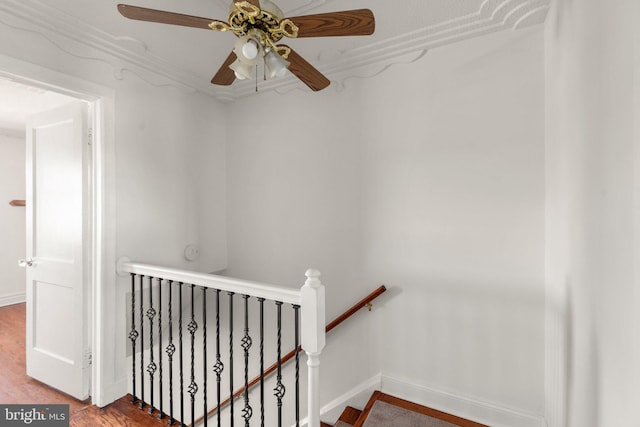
[
  {"x": 259, "y": 25},
  {"x": 241, "y": 70}
]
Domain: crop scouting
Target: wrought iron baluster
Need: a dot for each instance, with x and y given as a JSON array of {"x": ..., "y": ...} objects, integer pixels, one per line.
[
  {"x": 204, "y": 355},
  {"x": 231, "y": 356},
  {"x": 279, "y": 390},
  {"x": 247, "y": 412},
  {"x": 193, "y": 387},
  {"x": 133, "y": 336},
  {"x": 296, "y": 322},
  {"x": 161, "y": 412},
  {"x": 261, "y": 301},
  {"x": 219, "y": 366},
  {"x": 180, "y": 354},
  {"x": 142, "y": 404},
  {"x": 151, "y": 367},
  {"x": 171, "y": 349}
]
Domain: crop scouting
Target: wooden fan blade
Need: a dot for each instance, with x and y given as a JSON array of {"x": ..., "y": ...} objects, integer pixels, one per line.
[
  {"x": 348, "y": 23},
  {"x": 306, "y": 72},
  {"x": 163, "y": 17},
  {"x": 225, "y": 75}
]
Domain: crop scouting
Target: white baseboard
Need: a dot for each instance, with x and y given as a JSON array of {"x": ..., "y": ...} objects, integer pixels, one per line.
[
  {"x": 111, "y": 393},
  {"x": 461, "y": 406},
  {"x": 12, "y": 299},
  {"x": 357, "y": 397}
]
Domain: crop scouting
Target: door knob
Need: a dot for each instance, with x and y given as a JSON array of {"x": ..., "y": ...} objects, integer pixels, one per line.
[{"x": 25, "y": 262}]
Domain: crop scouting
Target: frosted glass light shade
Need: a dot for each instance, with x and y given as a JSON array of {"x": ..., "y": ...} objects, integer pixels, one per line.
[
  {"x": 242, "y": 71},
  {"x": 276, "y": 64}
]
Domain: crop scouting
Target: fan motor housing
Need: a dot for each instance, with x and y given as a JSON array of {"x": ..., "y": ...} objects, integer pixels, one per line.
[{"x": 265, "y": 21}]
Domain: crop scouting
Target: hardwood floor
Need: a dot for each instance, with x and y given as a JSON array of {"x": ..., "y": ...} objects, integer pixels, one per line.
[
  {"x": 121, "y": 413},
  {"x": 16, "y": 387}
]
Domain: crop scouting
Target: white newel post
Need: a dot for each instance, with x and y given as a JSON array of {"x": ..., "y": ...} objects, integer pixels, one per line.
[{"x": 313, "y": 338}]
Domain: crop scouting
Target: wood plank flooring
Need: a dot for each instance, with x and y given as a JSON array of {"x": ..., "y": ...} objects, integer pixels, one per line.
[
  {"x": 121, "y": 413},
  {"x": 16, "y": 387}
]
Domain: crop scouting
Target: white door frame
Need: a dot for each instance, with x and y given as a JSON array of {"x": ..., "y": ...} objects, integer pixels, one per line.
[{"x": 105, "y": 388}]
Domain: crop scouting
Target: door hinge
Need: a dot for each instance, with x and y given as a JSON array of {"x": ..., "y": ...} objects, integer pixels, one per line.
[
  {"x": 90, "y": 136},
  {"x": 88, "y": 356}
]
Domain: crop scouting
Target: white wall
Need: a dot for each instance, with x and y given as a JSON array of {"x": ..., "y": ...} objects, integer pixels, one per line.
[
  {"x": 12, "y": 219},
  {"x": 454, "y": 218},
  {"x": 428, "y": 178},
  {"x": 592, "y": 234},
  {"x": 168, "y": 173}
]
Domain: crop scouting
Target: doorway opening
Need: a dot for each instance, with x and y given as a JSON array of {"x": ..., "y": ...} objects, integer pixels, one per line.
[{"x": 96, "y": 199}]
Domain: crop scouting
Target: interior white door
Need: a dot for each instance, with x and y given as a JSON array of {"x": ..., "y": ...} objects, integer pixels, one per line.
[{"x": 57, "y": 290}]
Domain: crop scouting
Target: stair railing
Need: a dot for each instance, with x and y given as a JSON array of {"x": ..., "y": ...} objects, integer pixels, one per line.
[
  {"x": 307, "y": 303},
  {"x": 365, "y": 302}
]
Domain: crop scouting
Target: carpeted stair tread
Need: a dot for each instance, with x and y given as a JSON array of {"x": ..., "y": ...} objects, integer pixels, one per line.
[
  {"x": 384, "y": 410},
  {"x": 343, "y": 424},
  {"x": 385, "y": 414}
]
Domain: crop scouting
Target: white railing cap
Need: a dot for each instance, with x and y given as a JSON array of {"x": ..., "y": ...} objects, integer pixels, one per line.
[{"x": 223, "y": 283}]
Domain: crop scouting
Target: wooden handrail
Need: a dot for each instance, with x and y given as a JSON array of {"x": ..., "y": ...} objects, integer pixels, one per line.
[
  {"x": 18, "y": 203},
  {"x": 365, "y": 302}
]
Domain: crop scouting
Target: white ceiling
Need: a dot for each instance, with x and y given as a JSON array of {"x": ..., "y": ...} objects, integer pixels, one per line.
[{"x": 404, "y": 31}]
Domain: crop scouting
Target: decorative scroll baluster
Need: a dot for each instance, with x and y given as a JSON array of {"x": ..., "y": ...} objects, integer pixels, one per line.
[
  {"x": 193, "y": 387},
  {"x": 171, "y": 349},
  {"x": 247, "y": 412},
  {"x": 261, "y": 301},
  {"x": 231, "y": 356},
  {"x": 204, "y": 354},
  {"x": 296, "y": 322},
  {"x": 161, "y": 397},
  {"x": 133, "y": 336},
  {"x": 279, "y": 390},
  {"x": 180, "y": 353},
  {"x": 310, "y": 299},
  {"x": 219, "y": 366},
  {"x": 142, "y": 404},
  {"x": 151, "y": 367}
]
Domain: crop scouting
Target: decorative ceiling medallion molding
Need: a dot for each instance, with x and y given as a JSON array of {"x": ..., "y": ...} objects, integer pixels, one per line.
[
  {"x": 54, "y": 26},
  {"x": 127, "y": 55},
  {"x": 494, "y": 15},
  {"x": 302, "y": 6},
  {"x": 306, "y": 8},
  {"x": 534, "y": 17}
]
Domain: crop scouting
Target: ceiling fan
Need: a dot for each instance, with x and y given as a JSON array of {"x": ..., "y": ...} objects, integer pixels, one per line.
[{"x": 259, "y": 26}]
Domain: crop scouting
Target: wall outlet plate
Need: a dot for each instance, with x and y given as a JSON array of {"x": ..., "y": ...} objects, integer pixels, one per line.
[{"x": 191, "y": 252}]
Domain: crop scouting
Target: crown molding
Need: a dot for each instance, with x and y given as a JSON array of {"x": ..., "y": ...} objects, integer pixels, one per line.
[
  {"x": 374, "y": 59},
  {"x": 127, "y": 55},
  {"x": 123, "y": 55}
]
